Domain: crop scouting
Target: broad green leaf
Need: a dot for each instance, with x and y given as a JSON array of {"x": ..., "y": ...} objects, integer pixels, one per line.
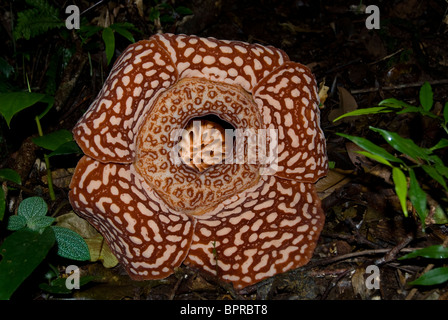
[
  {"x": 10, "y": 175},
  {"x": 49, "y": 100},
  {"x": 403, "y": 145},
  {"x": 359, "y": 112},
  {"x": 371, "y": 147},
  {"x": 375, "y": 157},
  {"x": 426, "y": 96},
  {"x": 432, "y": 277},
  {"x": 38, "y": 223},
  {"x": 70, "y": 244},
  {"x": 109, "y": 41},
  {"x": 417, "y": 197},
  {"x": 13, "y": 102},
  {"x": 16, "y": 223},
  {"x": 22, "y": 252},
  {"x": 432, "y": 252},
  {"x": 401, "y": 188},
  {"x": 54, "y": 140},
  {"x": 32, "y": 207},
  {"x": 70, "y": 147}
]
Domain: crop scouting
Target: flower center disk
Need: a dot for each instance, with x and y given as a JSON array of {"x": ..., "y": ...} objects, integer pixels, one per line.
[{"x": 190, "y": 181}]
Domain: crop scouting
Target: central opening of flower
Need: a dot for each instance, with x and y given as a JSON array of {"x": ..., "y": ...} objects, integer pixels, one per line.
[
  {"x": 202, "y": 143},
  {"x": 183, "y": 151}
]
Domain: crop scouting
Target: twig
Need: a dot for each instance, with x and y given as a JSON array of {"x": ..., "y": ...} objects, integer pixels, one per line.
[
  {"x": 357, "y": 254},
  {"x": 392, "y": 254},
  {"x": 386, "y": 57},
  {"x": 176, "y": 286},
  {"x": 399, "y": 86}
]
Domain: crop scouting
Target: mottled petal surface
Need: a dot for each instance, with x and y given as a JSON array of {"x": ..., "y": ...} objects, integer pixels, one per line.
[
  {"x": 288, "y": 101},
  {"x": 108, "y": 129},
  {"x": 232, "y": 62},
  {"x": 147, "y": 237},
  {"x": 268, "y": 229}
]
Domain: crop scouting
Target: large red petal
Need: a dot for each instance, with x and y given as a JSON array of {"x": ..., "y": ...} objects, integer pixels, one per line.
[
  {"x": 108, "y": 129},
  {"x": 289, "y": 103},
  {"x": 268, "y": 229},
  {"x": 146, "y": 236},
  {"x": 232, "y": 62}
]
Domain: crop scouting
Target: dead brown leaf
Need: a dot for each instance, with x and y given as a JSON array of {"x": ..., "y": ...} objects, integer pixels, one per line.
[{"x": 347, "y": 103}]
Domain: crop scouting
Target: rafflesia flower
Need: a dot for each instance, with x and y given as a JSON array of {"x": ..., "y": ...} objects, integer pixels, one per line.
[{"x": 164, "y": 182}]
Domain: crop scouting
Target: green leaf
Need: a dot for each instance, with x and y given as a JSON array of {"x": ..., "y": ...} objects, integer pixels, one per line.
[
  {"x": 432, "y": 277},
  {"x": 433, "y": 173},
  {"x": 70, "y": 147},
  {"x": 109, "y": 41},
  {"x": 32, "y": 207},
  {"x": 394, "y": 103},
  {"x": 16, "y": 223},
  {"x": 183, "y": 10},
  {"x": 432, "y": 252},
  {"x": 375, "y": 157},
  {"x": 58, "y": 286},
  {"x": 121, "y": 29},
  {"x": 49, "y": 100},
  {"x": 10, "y": 175},
  {"x": 54, "y": 140},
  {"x": 38, "y": 223},
  {"x": 359, "y": 112},
  {"x": 401, "y": 188},
  {"x": 443, "y": 143},
  {"x": 22, "y": 252},
  {"x": 371, "y": 147},
  {"x": 70, "y": 244},
  {"x": 426, "y": 96},
  {"x": 417, "y": 197},
  {"x": 37, "y": 20},
  {"x": 13, "y": 102},
  {"x": 440, "y": 216},
  {"x": 154, "y": 14},
  {"x": 403, "y": 145}
]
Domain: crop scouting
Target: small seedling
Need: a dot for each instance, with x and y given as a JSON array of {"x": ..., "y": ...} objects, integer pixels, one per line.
[{"x": 32, "y": 240}]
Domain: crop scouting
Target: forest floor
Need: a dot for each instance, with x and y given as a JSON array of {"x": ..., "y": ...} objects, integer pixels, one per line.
[{"x": 365, "y": 225}]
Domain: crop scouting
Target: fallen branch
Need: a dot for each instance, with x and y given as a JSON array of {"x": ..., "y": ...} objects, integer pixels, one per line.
[{"x": 399, "y": 86}]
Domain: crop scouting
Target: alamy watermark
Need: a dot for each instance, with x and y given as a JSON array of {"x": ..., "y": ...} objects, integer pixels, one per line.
[
  {"x": 373, "y": 280},
  {"x": 73, "y": 20},
  {"x": 72, "y": 281},
  {"x": 234, "y": 146}
]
